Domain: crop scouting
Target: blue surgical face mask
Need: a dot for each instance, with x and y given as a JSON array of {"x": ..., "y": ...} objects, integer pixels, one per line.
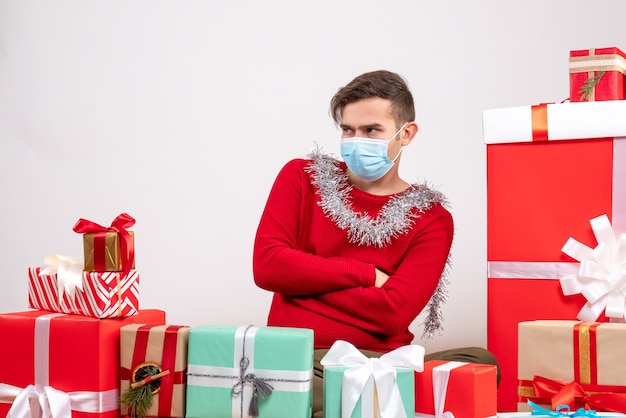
[{"x": 367, "y": 157}]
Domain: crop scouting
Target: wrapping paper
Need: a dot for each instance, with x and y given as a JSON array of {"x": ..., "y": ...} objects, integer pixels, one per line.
[
  {"x": 104, "y": 246},
  {"x": 589, "y": 63},
  {"x": 226, "y": 362},
  {"x": 539, "y": 194},
  {"x": 554, "y": 354},
  {"x": 166, "y": 347},
  {"x": 61, "y": 356},
  {"x": 101, "y": 294},
  {"x": 455, "y": 389}
]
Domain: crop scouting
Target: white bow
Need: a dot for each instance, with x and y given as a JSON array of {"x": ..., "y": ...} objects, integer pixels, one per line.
[
  {"x": 69, "y": 271},
  {"x": 362, "y": 368},
  {"x": 601, "y": 278},
  {"x": 31, "y": 402}
]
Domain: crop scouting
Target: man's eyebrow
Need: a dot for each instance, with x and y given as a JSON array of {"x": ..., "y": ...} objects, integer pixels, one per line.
[{"x": 363, "y": 127}]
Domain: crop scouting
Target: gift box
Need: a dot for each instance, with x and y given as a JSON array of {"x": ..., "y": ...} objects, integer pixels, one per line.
[
  {"x": 108, "y": 248},
  {"x": 597, "y": 74},
  {"x": 467, "y": 390},
  {"x": 573, "y": 363},
  {"x": 356, "y": 386},
  {"x": 237, "y": 371},
  {"x": 152, "y": 350},
  {"x": 63, "y": 361},
  {"x": 550, "y": 170},
  {"x": 99, "y": 294}
]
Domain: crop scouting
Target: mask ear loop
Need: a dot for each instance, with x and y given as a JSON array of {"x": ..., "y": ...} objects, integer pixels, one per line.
[{"x": 401, "y": 147}]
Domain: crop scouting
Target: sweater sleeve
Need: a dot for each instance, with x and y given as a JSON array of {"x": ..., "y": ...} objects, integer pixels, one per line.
[
  {"x": 389, "y": 310},
  {"x": 278, "y": 263}
]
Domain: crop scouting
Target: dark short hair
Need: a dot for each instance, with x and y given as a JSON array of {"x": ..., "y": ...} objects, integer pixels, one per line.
[{"x": 381, "y": 83}]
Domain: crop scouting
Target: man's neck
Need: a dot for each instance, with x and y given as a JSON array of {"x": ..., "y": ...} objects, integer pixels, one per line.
[{"x": 388, "y": 185}]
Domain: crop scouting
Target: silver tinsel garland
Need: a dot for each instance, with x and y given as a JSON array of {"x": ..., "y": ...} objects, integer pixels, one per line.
[{"x": 394, "y": 219}]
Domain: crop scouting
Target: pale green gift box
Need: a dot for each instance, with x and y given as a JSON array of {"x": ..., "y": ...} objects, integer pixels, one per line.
[
  {"x": 333, "y": 385},
  {"x": 224, "y": 359}
]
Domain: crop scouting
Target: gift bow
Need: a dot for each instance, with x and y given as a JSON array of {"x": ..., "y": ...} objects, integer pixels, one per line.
[
  {"x": 119, "y": 225},
  {"x": 69, "y": 271},
  {"x": 601, "y": 278},
  {"x": 561, "y": 411},
  {"x": 568, "y": 394},
  {"x": 362, "y": 368},
  {"x": 46, "y": 402}
]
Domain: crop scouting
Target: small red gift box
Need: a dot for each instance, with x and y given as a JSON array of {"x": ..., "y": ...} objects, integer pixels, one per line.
[
  {"x": 467, "y": 390},
  {"x": 597, "y": 74},
  {"x": 163, "y": 348},
  {"x": 544, "y": 186},
  {"x": 63, "y": 359},
  {"x": 103, "y": 294}
]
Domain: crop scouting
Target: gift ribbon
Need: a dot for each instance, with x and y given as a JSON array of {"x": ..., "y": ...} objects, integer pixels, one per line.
[
  {"x": 247, "y": 381},
  {"x": 119, "y": 225},
  {"x": 167, "y": 362},
  {"x": 601, "y": 278},
  {"x": 362, "y": 369},
  {"x": 561, "y": 411},
  {"x": 40, "y": 400},
  {"x": 574, "y": 393},
  {"x": 69, "y": 271},
  {"x": 441, "y": 376},
  {"x": 539, "y": 115}
]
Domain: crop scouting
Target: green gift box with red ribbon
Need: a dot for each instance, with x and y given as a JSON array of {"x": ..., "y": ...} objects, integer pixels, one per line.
[
  {"x": 573, "y": 363},
  {"x": 155, "y": 350}
]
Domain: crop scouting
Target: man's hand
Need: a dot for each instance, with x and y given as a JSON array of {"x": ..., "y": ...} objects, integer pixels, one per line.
[{"x": 381, "y": 278}]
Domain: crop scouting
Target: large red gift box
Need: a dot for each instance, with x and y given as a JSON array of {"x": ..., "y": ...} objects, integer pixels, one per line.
[
  {"x": 103, "y": 294},
  {"x": 544, "y": 185},
  {"x": 467, "y": 390},
  {"x": 59, "y": 359},
  {"x": 603, "y": 68}
]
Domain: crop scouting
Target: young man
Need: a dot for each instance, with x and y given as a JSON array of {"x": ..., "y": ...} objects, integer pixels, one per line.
[{"x": 349, "y": 248}]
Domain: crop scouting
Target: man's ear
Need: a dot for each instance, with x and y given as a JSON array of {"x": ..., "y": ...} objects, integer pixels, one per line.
[{"x": 408, "y": 133}]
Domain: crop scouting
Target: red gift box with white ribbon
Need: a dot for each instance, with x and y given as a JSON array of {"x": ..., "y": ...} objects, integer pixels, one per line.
[
  {"x": 54, "y": 364},
  {"x": 551, "y": 169}
]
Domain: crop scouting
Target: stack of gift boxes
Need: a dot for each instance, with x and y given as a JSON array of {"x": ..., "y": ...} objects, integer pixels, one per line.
[
  {"x": 556, "y": 202},
  {"x": 87, "y": 350}
]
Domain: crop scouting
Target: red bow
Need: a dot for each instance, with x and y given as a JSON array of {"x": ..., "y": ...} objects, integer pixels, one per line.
[
  {"x": 575, "y": 396},
  {"x": 119, "y": 225}
]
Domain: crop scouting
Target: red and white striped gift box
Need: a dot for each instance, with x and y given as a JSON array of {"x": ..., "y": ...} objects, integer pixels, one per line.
[{"x": 103, "y": 294}]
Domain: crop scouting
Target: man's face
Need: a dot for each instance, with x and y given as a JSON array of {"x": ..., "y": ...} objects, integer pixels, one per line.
[{"x": 370, "y": 118}]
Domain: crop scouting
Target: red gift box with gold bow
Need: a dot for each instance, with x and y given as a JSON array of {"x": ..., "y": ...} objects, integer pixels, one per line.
[
  {"x": 574, "y": 363},
  {"x": 550, "y": 169},
  {"x": 54, "y": 364},
  {"x": 597, "y": 74},
  {"x": 146, "y": 349}
]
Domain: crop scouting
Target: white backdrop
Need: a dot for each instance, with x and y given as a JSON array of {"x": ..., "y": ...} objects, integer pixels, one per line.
[{"x": 181, "y": 113}]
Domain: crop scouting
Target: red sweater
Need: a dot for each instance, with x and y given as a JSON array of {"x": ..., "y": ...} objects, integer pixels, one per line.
[{"x": 323, "y": 282}]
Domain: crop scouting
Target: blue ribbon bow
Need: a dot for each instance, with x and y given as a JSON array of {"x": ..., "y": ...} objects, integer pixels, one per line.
[{"x": 561, "y": 411}]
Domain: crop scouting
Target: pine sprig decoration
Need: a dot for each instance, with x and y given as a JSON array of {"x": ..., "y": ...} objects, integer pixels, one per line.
[
  {"x": 587, "y": 88},
  {"x": 139, "y": 397}
]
